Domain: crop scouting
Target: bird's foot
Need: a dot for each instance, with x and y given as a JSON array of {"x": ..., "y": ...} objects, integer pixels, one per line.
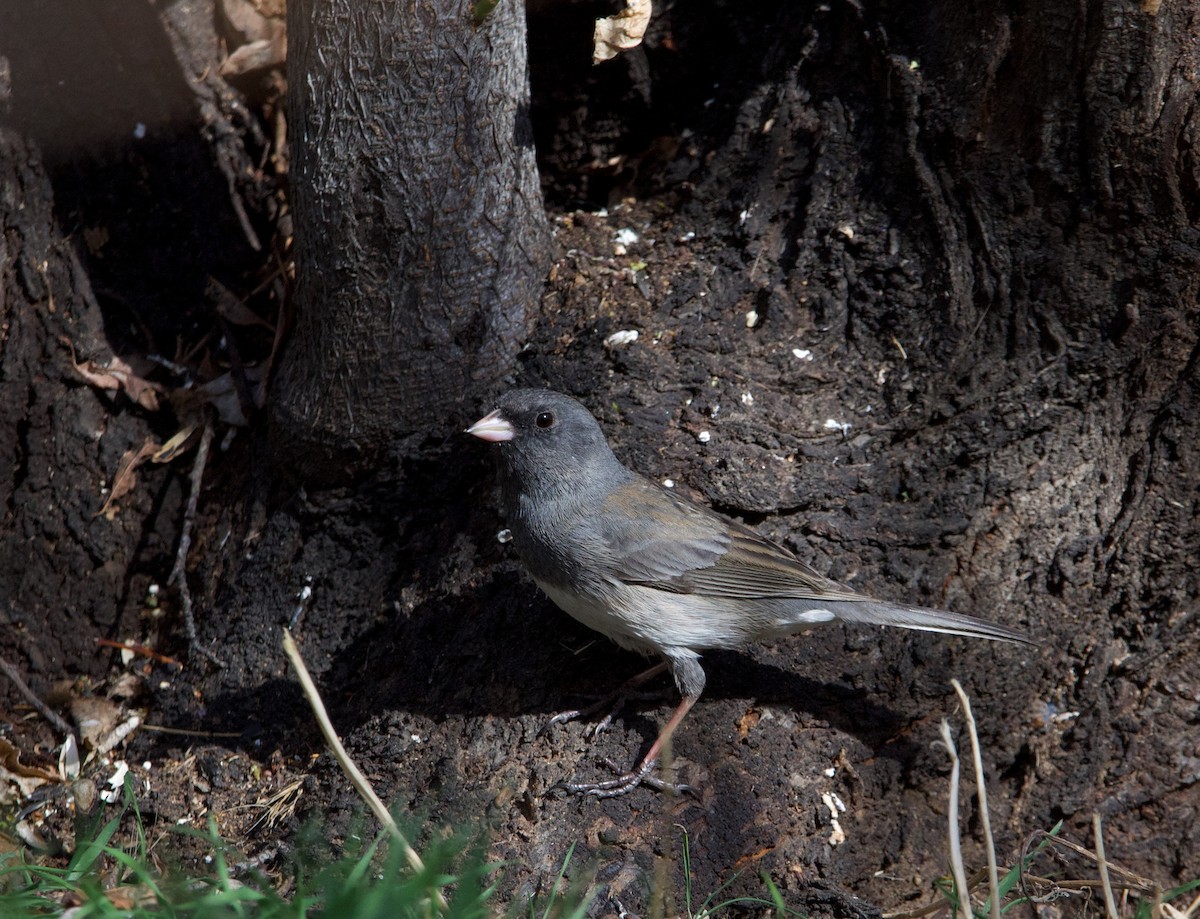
[
  {"x": 625, "y": 782},
  {"x": 613, "y": 703}
]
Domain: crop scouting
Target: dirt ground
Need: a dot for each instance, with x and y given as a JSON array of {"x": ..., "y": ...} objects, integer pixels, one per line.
[{"x": 1034, "y": 467}]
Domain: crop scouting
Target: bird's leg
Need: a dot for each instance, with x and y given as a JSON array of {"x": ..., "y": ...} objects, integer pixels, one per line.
[
  {"x": 628, "y": 781},
  {"x": 614, "y": 703}
]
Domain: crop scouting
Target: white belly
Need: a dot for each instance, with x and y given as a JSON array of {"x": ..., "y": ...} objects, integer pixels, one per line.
[{"x": 648, "y": 620}]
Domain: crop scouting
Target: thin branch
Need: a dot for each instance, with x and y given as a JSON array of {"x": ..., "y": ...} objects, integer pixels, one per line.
[
  {"x": 179, "y": 572},
  {"x": 31, "y": 697}
]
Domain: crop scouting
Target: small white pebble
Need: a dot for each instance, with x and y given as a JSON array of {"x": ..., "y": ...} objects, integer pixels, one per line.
[
  {"x": 623, "y": 337},
  {"x": 668, "y": 483},
  {"x": 751, "y": 319},
  {"x": 802, "y": 354},
  {"x": 832, "y": 424},
  {"x": 837, "y": 835},
  {"x": 747, "y": 399},
  {"x": 846, "y": 230},
  {"x": 504, "y": 536},
  {"x": 744, "y": 216},
  {"x": 688, "y": 236},
  {"x": 603, "y": 212},
  {"x": 830, "y": 772},
  {"x": 626, "y": 237},
  {"x": 153, "y": 590},
  {"x": 704, "y": 437},
  {"x": 415, "y": 738}
]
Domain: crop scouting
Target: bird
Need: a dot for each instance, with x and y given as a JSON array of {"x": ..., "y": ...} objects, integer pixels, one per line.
[{"x": 653, "y": 571}]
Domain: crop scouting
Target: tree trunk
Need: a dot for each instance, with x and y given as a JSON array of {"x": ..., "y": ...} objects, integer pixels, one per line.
[{"x": 421, "y": 241}]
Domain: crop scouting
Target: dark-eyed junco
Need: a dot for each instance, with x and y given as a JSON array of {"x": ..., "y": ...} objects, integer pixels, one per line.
[{"x": 653, "y": 571}]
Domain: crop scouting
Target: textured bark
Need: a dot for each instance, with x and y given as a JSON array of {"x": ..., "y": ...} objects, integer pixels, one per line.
[
  {"x": 67, "y": 574},
  {"x": 421, "y": 242}
]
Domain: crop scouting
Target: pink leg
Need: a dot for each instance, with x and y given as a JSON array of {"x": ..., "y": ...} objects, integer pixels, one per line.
[{"x": 628, "y": 781}]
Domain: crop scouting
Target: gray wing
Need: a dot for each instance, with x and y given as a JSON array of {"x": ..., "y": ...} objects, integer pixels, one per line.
[{"x": 674, "y": 545}]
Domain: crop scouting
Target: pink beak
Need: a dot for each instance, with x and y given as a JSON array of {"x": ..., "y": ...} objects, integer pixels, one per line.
[{"x": 494, "y": 428}]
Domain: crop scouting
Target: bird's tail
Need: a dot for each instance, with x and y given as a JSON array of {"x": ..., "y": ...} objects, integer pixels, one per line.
[{"x": 928, "y": 620}]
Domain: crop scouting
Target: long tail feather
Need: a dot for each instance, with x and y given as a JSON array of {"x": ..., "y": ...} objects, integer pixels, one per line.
[{"x": 928, "y": 620}]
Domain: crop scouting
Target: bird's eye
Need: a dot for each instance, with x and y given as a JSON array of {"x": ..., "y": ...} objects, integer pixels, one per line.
[{"x": 544, "y": 419}]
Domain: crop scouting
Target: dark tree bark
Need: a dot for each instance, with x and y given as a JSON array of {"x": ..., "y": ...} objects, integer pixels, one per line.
[
  {"x": 421, "y": 241},
  {"x": 66, "y": 573},
  {"x": 114, "y": 215}
]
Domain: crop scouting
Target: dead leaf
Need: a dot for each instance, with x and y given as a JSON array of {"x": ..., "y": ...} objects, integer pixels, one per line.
[
  {"x": 257, "y": 55},
  {"x": 622, "y": 31},
  {"x": 259, "y": 40},
  {"x": 176, "y": 445},
  {"x": 95, "y": 718},
  {"x": 10, "y": 759},
  {"x": 118, "y": 375},
  {"x": 126, "y": 478},
  {"x": 11, "y": 765}
]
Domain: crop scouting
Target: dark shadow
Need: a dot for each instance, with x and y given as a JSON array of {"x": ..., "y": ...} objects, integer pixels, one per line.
[{"x": 137, "y": 189}]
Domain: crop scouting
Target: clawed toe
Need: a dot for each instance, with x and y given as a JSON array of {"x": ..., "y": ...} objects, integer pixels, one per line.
[
  {"x": 624, "y": 783},
  {"x": 613, "y": 703}
]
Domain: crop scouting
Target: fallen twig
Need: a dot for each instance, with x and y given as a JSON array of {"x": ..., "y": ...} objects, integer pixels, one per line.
[
  {"x": 179, "y": 572},
  {"x": 31, "y": 697}
]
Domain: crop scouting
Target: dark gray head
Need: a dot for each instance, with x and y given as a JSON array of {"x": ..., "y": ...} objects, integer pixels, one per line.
[{"x": 548, "y": 445}]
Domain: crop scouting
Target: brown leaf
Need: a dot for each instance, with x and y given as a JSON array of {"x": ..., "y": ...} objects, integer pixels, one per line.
[
  {"x": 621, "y": 31},
  {"x": 10, "y": 759},
  {"x": 94, "y": 717},
  {"x": 126, "y": 478},
  {"x": 176, "y": 445},
  {"x": 118, "y": 375}
]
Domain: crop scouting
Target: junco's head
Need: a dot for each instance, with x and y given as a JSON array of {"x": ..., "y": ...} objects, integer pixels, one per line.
[{"x": 548, "y": 443}]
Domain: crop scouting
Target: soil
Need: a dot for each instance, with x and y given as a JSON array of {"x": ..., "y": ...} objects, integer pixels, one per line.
[{"x": 802, "y": 363}]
